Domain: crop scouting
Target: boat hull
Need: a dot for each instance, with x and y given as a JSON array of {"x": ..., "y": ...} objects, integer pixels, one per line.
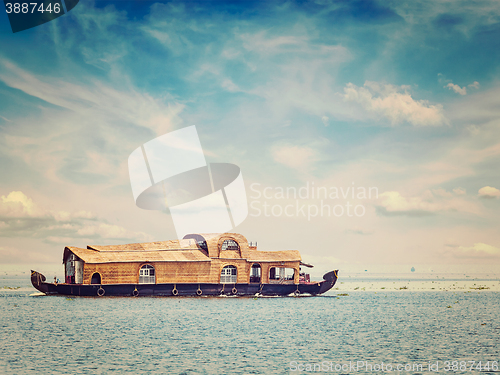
[{"x": 187, "y": 289}]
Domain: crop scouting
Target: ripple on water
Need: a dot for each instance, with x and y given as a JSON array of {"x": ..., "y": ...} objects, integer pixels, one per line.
[{"x": 61, "y": 335}]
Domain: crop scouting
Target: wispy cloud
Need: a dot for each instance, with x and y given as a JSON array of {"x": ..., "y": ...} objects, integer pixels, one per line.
[
  {"x": 474, "y": 85},
  {"x": 392, "y": 203},
  {"x": 107, "y": 103},
  {"x": 20, "y": 216},
  {"x": 88, "y": 136},
  {"x": 461, "y": 90},
  {"x": 296, "y": 157},
  {"x": 479, "y": 250},
  {"x": 395, "y": 104},
  {"x": 325, "y": 120}
]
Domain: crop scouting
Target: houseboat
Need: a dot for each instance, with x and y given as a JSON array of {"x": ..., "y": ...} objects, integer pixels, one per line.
[{"x": 197, "y": 265}]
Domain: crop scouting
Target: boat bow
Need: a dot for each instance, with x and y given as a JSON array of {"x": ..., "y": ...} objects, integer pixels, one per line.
[{"x": 329, "y": 280}]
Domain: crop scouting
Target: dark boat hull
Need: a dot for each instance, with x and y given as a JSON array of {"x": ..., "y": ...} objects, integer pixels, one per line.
[{"x": 164, "y": 290}]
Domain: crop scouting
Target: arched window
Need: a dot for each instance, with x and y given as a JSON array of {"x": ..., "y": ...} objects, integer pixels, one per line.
[
  {"x": 96, "y": 278},
  {"x": 147, "y": 274},
  {"x": 255, "y": 273},
  {"x": 230, "y": 245},
  {"x": 228, "y": 275}
]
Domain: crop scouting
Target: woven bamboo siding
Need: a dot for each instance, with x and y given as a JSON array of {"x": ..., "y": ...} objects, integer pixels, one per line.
[
  {"x": 172, "y": 272},
  {"x": 230, "y": 254},
  {"x": 113, "y": 273},
  {"x": 177, "y": 272}
]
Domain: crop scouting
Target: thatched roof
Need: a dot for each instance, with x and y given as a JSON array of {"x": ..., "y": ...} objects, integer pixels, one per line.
[
  {"x": 185, "y": 250},
  {"x": 274, "y": 256},
  {"x": 124, "y": 256},
  {"x": 149, "y": 246}
]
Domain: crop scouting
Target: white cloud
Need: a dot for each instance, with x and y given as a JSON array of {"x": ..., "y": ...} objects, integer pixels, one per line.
[
  {"x": 290, "y": 71},
  {"x": 430, "y": 202},
  {"x": 230, "y": 85},
  {"x": 394, "y": 202},
  {"x": 473, "y": 15},
  {"x": 272, "y": 45},
  {"x": 475, "y": 85},
  {"x": 21, "y": 217},
  {"x": 67, "y": 216},
  {"x": 395, "y": 104},
  {"x": 17, "y": 204},
  {"x": 442, "y": 193},
  {"x": 325, "y": 120},
  {"x": 489, "y": 192},
  {"x": 268, "y": 45},
  {"x": 461, "y": 90},
  {"x": 478, "y": 250},
  {"x": 456, "y": 88},
  {"x": 87, "y": 138}
]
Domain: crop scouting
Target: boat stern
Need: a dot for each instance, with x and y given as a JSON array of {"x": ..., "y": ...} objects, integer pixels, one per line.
[{"x": 38, "y": 282}]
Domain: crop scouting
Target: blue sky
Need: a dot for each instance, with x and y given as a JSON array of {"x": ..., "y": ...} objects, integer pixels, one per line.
[{"x": 402, "y": 96}]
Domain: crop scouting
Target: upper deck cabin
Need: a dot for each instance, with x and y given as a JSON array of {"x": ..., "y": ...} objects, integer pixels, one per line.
[{"x": 198, "y": 258}]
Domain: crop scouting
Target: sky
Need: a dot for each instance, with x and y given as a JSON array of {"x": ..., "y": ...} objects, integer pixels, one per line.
[{"x": 390, "y": 107}]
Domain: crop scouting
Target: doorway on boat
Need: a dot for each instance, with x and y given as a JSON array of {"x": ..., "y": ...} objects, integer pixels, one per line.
[
  {"x": 228, "y": 275},
  {"x": 147, "y": 274},
  {"x": 255, "y": 273},
  {"x": 73, "y": 269},
  {"x": 96, "y": 278}
]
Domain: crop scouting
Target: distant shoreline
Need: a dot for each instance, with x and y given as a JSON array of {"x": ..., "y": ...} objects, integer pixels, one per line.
[{"x": 462, "y": 285}]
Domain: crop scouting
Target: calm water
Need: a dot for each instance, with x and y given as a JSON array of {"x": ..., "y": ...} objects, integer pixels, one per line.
[{"x": 59, "y": 335}]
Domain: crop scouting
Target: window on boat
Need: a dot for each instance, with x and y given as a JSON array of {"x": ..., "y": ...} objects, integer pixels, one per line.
[
  {"x": 230, "y": 245},
  {"x": 203, "y": 245},
  {"x": 255, "y": 273},
  {"x": 147, "y": 274},
  {"x": 96, "y": 278},
  {"x": 281, "y": 274},
  {"x": 228, "y": 275}
]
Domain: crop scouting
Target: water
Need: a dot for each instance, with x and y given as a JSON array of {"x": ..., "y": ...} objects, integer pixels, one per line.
[{"x": 59, "y": 335}]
